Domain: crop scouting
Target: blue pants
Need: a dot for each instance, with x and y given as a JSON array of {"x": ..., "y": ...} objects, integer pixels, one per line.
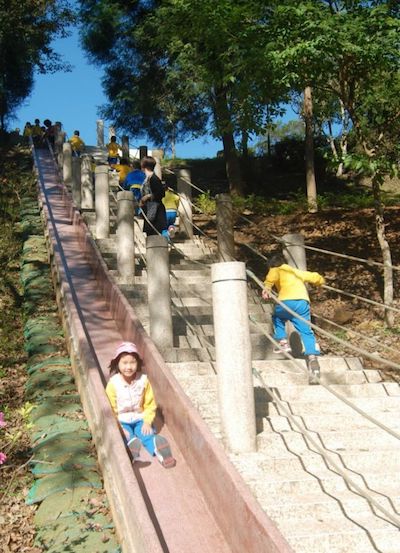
[
  {"x": 134, "y": 429},
  {"x": 280, "y": 316},
  {"x": 171, "y": 216}
]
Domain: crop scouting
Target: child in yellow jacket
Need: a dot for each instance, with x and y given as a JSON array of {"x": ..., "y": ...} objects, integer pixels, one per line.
[
  {"x": 292, "y": 292},
  {"x": 132, "y": 400}
]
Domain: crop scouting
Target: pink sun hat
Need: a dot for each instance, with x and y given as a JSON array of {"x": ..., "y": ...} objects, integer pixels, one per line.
[{"x": 125, "y": 347}]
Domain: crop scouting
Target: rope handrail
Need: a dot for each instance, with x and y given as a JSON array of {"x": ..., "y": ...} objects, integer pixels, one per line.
[
  {"x": 306, "y": 246},
  {"x": 355, "y": 296},
  {"x": 337, "y": 290},
  {"x": 325, "y": 333},
  {"x": 356, "y": 333},
  {"x": 328, "y": 252},
  {"x": 175, "y": 308},
  {"x": 331, "y": 288},
  {"x": 327, "y": 387},
  {"x": 195, "y": 261},
  {"x": 394, "y": 519}
]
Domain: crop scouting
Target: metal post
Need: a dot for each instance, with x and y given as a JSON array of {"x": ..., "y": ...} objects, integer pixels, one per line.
[
  {"x": 185, "y": 205},
  {"x": 142, "y": 151},
  {"x": 102, "y": 203},
  {"x": 67, "y": 164},
  {"x": 125, "y": 147},
  {"x": 76, "y": 181},
  {"x": 233, "y": 356},
  {"x": 226, "y": 243},
  {"x": 125, "y": 237},
  {"x": 86, "y": 182},
  {"x": 100, "y": 133},
  {"x": 294, "y": 251},
  {"x": 158, "y": 291}
]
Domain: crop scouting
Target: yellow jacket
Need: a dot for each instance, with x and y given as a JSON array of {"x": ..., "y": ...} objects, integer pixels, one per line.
[
  {"x": 132, "y": 402},
  {"x": 123, "y": 170},
  {"x": 76, "y": 143},
  {"x": 112, "y": 149},
  {"x": 289, "y": 282},
  {"x": 171, "y": 200},
  {"x": 37, "y": 130}
]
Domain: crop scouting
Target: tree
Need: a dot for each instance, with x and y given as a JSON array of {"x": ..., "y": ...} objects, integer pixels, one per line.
[
  {"x": 27, "y": 28},
  {"x": 350, "y": 48},
  {"x": 205, "y": 56}
]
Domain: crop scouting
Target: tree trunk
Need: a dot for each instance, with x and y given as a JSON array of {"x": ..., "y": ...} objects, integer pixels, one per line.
[
  {"x": 224, "y": 125},
  {"x": 233, "y": 171},
  {"x": 173, "y": 144},
  {"x": 309, "y": 152},
  {"x": 331, "y": 142},
  {"x": 386, "y": 254},
  {"x": 343, "y": 138}
]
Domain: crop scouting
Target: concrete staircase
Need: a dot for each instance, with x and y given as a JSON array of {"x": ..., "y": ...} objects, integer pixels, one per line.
[{"x": 312, "y": 504}]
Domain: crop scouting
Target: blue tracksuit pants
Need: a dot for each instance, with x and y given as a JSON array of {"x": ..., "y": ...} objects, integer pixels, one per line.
[
  {"x": 280, "y": 316},
  {"x": 134, "y": 430}
]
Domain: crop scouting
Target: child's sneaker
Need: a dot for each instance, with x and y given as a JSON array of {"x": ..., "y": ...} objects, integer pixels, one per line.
[
  {"x": 134, "y": 446},
  {"x": 283, "y": 346},
  {"x": 163, "y": 452},
  {"x": 314, "y": 371},
  {"x": 171, "y": 231}
]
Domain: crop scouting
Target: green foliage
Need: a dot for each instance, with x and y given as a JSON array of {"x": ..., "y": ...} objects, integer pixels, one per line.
[
  {"x": 348, "y": 52},
  {"x": 206, "y": 203},
  {"x": 27, "y": 28},
  {"x": 297, "y": 203}
]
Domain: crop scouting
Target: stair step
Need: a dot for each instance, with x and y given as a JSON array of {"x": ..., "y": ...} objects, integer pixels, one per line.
[
  {"x": 372, "y": 405},
  {"x": 344, "y": 539},
  {"x": 323, "y": 423}
]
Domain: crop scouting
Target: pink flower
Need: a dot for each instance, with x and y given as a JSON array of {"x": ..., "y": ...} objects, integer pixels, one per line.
[
  {"x": 3, "y": 458},
  {"x": 2, "y": 421}
]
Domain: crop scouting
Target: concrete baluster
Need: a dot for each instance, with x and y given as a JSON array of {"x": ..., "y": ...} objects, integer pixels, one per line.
[
  {"x": 102, "y": 201},
  {"x": 100, "y": 133},
  {"x": 158, "y": 290},
  {"x": 295, "y": 255},
  {"x": 125, "y": 237},
  {"x": 87, "y": 201},
  {"x": 59, "y": 138},
  {"x": 67, "y": 164},
  {"x": 76, "y": 181},
  {"x": 125, "y": 147},
  {"x": 158, "y": 155},
  {"x": 226, "y": 243},
  {"x": 111, "y": 132},
  {"x": 185, "y": 205},
  {"x": 294, "y": 251},
  {"x": 233, "y": 356},
  {"x": 142, "y": 151}
]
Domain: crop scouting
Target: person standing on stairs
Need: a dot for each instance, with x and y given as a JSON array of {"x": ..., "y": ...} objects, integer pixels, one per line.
[
  {"x": 113, "y": 149},
  {"x": 132, "y": 400},
  {"x": 171, "y": 203},
  {"x": 292, "y": 292},
  {"x": 155, "y": 220}
]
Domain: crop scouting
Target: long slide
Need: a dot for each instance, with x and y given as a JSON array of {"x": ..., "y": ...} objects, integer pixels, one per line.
[{"x": 202, "y": 504}]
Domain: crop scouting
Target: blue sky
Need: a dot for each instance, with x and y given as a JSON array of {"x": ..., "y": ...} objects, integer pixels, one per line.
[{"x": 74, "y": 99}]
